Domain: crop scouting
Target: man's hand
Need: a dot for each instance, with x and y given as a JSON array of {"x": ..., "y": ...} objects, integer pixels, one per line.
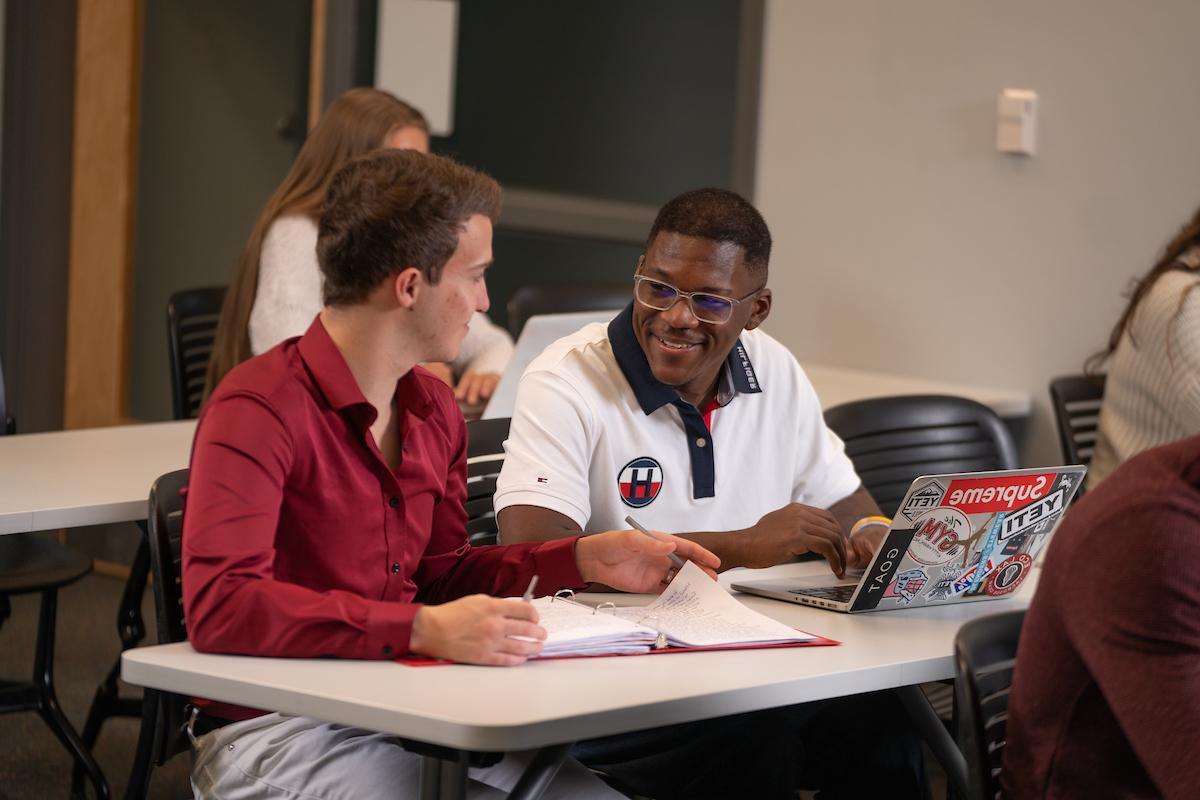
[
  {"x": 441, "y": 371},
  {"x": 475, "y": 387},
  {"x": 863, "y": 545},
  {"x": 633, "y": 562},
  {"x": 794, "y": 530},
  {"x": 478, "y": 630}
]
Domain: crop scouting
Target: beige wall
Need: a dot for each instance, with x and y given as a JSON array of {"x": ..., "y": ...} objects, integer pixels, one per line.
[{"x": 906, "y": 243}]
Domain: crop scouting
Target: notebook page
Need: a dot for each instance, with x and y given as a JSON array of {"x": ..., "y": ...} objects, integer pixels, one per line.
[
  {"x": 694, "y": 611},
  {"x": 575, "y": 629}
]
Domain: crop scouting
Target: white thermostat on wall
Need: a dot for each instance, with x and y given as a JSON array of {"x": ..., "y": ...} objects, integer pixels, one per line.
[{"x": 1016, "y": 121}]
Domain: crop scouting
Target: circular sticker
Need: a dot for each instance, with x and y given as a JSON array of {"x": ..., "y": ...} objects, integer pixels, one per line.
[
  {"x": 1008, "y": 576},
  {"x": 640, "y": 481},
  {"x": 939, "y": 537}
]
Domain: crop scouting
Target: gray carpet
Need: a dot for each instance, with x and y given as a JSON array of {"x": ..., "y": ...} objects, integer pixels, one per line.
[{"x": 32, "y": 762}]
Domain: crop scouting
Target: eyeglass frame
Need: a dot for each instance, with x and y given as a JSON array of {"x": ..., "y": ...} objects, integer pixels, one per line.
[{"x": 682, "y": 295}]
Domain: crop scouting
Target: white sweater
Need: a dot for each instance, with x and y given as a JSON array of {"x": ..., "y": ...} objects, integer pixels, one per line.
[
  {"x": 289, "y": 296},
  {"x": 1152, "y": 394}
]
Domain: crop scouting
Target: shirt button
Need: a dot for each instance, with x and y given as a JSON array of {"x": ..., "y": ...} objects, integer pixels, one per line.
[
  {"x": 701, "y": 442},
  {"x": 393, "y": 501},
  {"x": 387, "y": 649},
  {"x": 396, "y": 566}
]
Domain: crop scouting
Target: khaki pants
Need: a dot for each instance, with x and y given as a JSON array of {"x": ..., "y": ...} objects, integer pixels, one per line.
[{"x": 277, "y": 756}]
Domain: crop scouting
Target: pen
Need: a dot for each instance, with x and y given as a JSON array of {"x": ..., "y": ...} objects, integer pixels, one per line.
[
  {"x": 676, "y": 560},
  {"x": 528, "y": 596}
]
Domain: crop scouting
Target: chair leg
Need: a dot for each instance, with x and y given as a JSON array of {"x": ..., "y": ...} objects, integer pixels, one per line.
[
  {"x": 131, "y": 628},
  {"x": 43, "y": 679},
  {"x": 143, "y": 759}
]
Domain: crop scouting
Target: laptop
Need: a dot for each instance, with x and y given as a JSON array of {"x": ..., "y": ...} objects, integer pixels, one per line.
[
  {"x": 540, "y": 331},
  {"x": 960, "y": 538}
]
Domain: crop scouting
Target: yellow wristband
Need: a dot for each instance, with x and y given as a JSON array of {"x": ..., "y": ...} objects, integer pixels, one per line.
[{"x": 867, "y": 522}]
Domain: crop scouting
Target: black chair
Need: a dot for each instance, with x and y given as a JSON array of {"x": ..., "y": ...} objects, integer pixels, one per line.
[
  {"x": 163, "y": 713},
  {"x": 29, "y": 564},
  {"x": 485, "y": 457},
  {"x": 559, "y": 298},
  {"x": 192, "y": 317},
  {"x": 1076, "y": 400},
  {"x": 892, "y": 440},
  {"x": 985, "y": 651},
  {"x": 191, "y": 326}
]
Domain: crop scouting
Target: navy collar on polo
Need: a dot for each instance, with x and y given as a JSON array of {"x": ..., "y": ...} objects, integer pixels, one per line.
[{"x": 737, "y": 377}]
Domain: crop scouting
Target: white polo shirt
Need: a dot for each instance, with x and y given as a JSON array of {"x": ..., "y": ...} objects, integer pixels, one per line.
[{"x": 596, "y": 437}]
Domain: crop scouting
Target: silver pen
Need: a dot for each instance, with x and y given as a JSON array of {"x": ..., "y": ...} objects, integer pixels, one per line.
[
  {"x": 528, "y": 596},
  {"x": 676, "y": 560}
]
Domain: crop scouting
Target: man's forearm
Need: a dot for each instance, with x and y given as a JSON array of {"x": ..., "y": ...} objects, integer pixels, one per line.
[
  {"x": 729, "y": 546},
  {"x": 519, "y": 524}
]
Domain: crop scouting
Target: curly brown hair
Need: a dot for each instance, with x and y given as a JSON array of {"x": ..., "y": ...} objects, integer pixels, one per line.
[
  {"x": 394, "y": 209},
  {"x": 1187, "y": 238}
]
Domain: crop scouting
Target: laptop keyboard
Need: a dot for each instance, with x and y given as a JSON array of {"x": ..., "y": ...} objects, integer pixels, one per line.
[{"x": 840, "y": 594}]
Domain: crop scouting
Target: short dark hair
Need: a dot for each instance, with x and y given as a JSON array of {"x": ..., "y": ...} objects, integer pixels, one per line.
[
  {"x": 719, "y": 215},
  {"x": 393, "y": 209}
]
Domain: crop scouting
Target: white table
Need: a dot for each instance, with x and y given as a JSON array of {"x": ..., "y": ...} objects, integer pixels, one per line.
[
  {"x": 834, "y": 385},
  {"x": 553, "y": 702},
  {"x": 837, "y": 385},
  {"x": 93, "y": 476}
]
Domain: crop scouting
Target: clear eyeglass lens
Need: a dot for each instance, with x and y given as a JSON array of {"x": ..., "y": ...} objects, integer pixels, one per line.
[
  {"x": 711, "y": 308},
  {"x": 706, "y": 307},
  {"x": 653, "y": 292}
]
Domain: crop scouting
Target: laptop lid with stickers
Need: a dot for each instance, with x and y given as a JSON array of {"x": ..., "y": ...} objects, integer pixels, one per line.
[{"x": 966, "y": 537}]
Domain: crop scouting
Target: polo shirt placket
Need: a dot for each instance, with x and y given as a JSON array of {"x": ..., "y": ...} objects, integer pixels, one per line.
[{"x": 737, "y": 376}]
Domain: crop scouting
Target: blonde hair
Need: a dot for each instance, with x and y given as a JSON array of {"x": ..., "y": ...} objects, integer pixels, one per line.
[{"x": 357, "y": 122}]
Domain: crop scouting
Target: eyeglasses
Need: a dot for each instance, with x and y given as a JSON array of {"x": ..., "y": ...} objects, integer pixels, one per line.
[{"x": 705, "y": 307}]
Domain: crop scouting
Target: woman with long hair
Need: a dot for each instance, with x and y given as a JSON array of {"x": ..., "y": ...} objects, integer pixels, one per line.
[
  {"x": 277, "y": 290},
  {"x": 1152, "y": 392}
]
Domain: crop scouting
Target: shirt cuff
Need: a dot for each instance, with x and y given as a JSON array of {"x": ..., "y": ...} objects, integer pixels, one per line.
[
  {"x": 389, "y": 629},
  {"x": 556, "y": 566}
]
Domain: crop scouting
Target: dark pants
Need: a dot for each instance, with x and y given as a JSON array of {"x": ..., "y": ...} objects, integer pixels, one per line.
[{"x": 850, "y": 747}]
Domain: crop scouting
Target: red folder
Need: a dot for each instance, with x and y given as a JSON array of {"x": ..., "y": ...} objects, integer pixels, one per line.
[{"x": 820, "y": 641}]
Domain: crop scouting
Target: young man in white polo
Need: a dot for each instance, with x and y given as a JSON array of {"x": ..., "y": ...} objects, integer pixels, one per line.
[
  {"x": 325, "y": 509},
  {"x": 683, "y": 414}
]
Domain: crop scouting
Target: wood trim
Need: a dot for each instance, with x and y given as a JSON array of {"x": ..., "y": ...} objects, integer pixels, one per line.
[
  {"x": 316, "y": 63},
  {"x": 103, "y": 195}
]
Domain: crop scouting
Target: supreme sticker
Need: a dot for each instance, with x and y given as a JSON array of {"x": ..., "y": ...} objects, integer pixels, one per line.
[{"x": 982, "y": 495}]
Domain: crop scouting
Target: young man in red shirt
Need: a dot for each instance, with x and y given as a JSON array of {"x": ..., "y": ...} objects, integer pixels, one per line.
[{"x": 325, "y": 505}]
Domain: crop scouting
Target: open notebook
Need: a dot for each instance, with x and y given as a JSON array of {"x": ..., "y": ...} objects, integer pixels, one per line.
[{"x": 693, "y": 612}]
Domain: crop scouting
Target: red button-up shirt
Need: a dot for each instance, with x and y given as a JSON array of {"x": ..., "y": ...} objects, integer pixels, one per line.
[{"x": 300, "y": 541}]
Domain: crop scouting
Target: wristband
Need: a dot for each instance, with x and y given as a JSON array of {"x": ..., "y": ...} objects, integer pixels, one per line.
[{"x": 867, "y": 522}]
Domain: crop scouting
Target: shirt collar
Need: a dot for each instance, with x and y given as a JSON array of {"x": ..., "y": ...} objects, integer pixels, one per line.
[
  {"x": 336, "y": 382},
  {"x": 737, "y": 375}
]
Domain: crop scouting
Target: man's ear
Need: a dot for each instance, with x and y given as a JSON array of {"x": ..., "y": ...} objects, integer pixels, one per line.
[
  {"x": 407, "y": 285},
  {"x": 762, "y": 309}
]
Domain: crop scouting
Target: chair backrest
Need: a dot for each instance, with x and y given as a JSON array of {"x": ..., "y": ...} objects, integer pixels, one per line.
[
  {"x": 892, "y": 440},
  {"x": 191, "y": 325},
  {"x": 165, "y": 532},
  {"x": 485, "y": 457},
  {"x": 985, "y": 652},
  {"x": 1076, "y": 400},
  {"x": 559, "y": 298}
]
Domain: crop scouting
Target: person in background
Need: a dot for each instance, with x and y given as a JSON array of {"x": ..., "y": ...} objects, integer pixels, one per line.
[
  {"x": 1105, "y": 698},
  {"x": 1152, "y": 393},
  {"x": 277, "y": 289},
  {"x": 325, "y": 514}
]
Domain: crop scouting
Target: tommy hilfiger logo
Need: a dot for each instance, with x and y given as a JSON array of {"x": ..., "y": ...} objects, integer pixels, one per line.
[{"x": 640, "y": 482}]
